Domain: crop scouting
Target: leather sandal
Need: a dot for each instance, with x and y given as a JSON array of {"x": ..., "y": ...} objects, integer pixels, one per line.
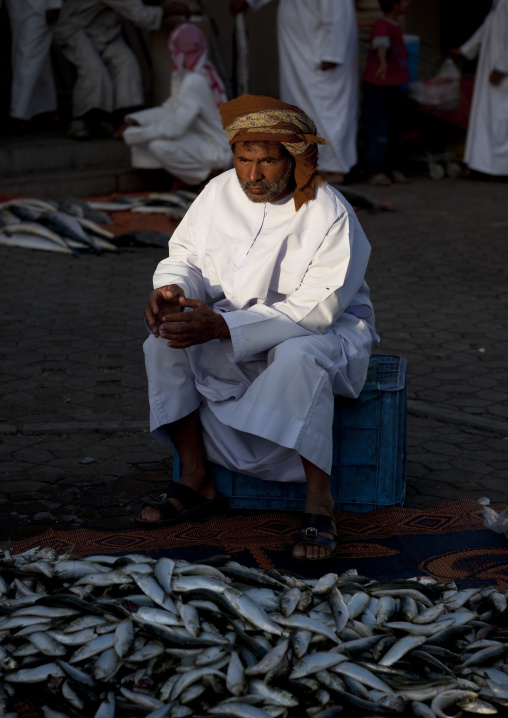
[
  {"x": 312, "y": 526},
  {"x": 196, "y": 507}
]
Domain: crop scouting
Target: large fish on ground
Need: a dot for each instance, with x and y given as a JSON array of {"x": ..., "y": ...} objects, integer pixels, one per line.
[
  {"x": 68, "y": 226},
  {"x": 81, "y": 209},
  {"x": 32, "y": 235}
]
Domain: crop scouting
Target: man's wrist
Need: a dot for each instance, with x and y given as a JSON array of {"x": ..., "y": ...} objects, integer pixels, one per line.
[{"x": 222, "y": 329}]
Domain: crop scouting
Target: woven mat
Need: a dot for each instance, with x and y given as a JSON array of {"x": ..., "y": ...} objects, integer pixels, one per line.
[
  {"x": 126, "y": 221},
  {"x": 448, "y": 543}
]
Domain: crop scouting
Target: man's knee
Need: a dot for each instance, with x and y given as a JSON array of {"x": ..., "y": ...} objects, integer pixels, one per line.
[
  {"x": 158, "y": 347},
  {"x": 297, "y": 350},
  {"x": 120, "y": 59},
  {"x": 166, "y": 150},
  {"x": 161, "y": 359}
]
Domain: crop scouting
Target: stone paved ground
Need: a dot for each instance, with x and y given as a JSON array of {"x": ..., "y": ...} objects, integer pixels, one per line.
[
  {"x": 75, "y": 446},
  {"x": 438, "y": 278}
]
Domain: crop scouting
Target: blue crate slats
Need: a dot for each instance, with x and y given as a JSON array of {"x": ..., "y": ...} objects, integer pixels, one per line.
[{"x": 369, "y": 452}]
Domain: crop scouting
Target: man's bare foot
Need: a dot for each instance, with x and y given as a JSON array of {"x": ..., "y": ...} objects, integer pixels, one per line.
[
  {"x": 379, "y": 180},
  {"x": 203, "y": 486},
  {"x": 399, "y": 177},
  {"x": 322, "y": 507}
]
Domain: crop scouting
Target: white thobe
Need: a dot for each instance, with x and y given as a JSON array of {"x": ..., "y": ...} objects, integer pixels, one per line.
[
  {"x": 487, "y": 135},
  {"x": 290, "y": 285},
  {"x": 33, "y": 86},
  {"x": 184, "y": 135},
  {"x": 310, "y": 32},
  {"x": 89, "y": 33}
]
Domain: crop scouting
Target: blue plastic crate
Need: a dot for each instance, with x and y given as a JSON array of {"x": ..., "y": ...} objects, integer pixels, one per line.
[{"x": 369, "y": 452}]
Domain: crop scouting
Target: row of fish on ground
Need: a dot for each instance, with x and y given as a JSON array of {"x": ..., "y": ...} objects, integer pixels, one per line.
[
  {"x": 71, "y": 225},
  {"x": 106, "y": 636}
]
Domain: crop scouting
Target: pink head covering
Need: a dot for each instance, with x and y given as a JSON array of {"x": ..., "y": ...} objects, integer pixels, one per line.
[{"x": 187, "y": 45}]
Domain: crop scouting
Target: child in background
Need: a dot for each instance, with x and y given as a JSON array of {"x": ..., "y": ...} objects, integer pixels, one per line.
[{"x": 385, "y": 73}]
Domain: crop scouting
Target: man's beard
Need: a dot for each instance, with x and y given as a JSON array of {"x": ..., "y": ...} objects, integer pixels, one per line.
[{"x": 274, "y": 188}]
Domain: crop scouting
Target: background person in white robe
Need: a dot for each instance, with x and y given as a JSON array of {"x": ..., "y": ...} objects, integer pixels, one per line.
[
  {"x": 33, "y": 86},
  {"x": 184, "y": 135},
  {"x": 89, "y": 33},
  {"x": 487, "y": 135},
  {"x": 319, "y": 71},
  {"x": 250, "y": 383}
]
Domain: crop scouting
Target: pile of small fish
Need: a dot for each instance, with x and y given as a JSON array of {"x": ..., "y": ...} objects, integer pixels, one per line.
[
  {"x": 71, "y": 225},
  {"x": 134, "y": 636}
]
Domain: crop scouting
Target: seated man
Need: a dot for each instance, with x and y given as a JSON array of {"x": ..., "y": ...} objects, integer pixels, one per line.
[
  {"x": 108, "y": 76},
  {"x": 250, "y": 382},
  {"x": 184, "y": 135}
]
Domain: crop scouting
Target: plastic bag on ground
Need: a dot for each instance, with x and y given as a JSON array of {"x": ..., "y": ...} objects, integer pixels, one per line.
[
  {"x": 496, "y": 521},
  {"x": 441, "y": 92}
]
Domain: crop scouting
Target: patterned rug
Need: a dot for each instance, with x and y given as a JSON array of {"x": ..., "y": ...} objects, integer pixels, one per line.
[{"x": 448, "y": 543}]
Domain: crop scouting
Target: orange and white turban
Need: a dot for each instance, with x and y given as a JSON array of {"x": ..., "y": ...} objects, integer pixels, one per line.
[{"x": 266, "y": 119}]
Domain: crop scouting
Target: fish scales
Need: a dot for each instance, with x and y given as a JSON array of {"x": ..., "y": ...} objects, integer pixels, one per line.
[
  {"x": 239, "y": 710},
  {"x": 106, "y": 665},
  {"x": 190, "y": 617},
  {"x": 299, "y": 621},
  {"x": 368, "y": 707},
  {"x": 290, "y": 600},
  {"x": 357, "y": 604},
  {"x": 362, "y": 675},
  {"x": 251, "y": 577},
  {"x": 300, "y": 640},
  {"x": 251, "y": 612},
  {"x": 356, "y": 688},
  {"x": 316, "y": 662},
  {"x": 211, "y": 655},
  {"x": 273, "y": 694},
  {"x": 201, "y": 570},
  {"x": 270, "y": 660}
]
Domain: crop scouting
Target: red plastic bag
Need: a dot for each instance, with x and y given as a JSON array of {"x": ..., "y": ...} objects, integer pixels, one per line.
[{"x": 441, "y": 92}]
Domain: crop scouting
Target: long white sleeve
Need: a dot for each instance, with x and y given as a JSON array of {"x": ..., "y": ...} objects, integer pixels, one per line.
[
  {"x": 334, "y": 16},
  {"x": 176, "y": 114},
  {"x": 502, "y": 63},
  {"x": 181, "y": 265},
  {"x": 471, "y": 47},
  {"x": 145, "y": 16},
  {"x": 147, "y": 129}
]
